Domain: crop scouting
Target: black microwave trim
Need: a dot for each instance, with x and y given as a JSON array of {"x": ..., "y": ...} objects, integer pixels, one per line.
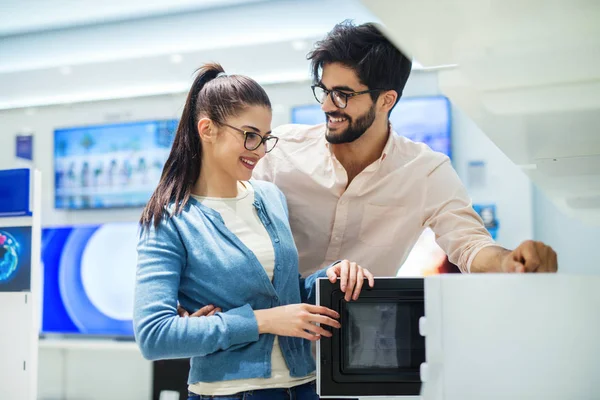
[{"x": 332, "y": 381}]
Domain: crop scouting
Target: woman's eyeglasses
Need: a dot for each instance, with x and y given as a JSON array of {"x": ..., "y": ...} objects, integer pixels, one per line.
[{"x": 253, "y": 140}]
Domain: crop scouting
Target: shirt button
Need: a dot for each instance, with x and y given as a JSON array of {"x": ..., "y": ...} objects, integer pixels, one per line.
[
  {"x": 275, "y": 298},
  {"x": 276, "y": 240},
  {"x": 278, "y": 267}
]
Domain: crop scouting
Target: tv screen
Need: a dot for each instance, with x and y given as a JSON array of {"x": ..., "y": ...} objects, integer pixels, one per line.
[
  {"x": 15, "y": 258},
  {"x": 116, "y": 165},
  {"x": 420, "y": 119},
  {"x": 89, "y": 279}
]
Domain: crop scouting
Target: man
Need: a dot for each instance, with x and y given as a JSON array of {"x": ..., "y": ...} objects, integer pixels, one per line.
[{"x": 358, "y": 191}]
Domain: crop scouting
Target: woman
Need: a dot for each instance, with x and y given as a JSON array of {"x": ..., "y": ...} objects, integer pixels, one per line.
[{"x": 211, "y": 237}]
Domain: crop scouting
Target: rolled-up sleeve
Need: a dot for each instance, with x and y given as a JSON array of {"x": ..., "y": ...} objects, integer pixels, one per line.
[
  {"x": 448, "y": 211},
  {"x": 159, "y": 331}
]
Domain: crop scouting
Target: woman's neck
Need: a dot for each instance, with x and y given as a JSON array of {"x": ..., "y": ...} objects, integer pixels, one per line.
[{"x": 213, "y": 182}]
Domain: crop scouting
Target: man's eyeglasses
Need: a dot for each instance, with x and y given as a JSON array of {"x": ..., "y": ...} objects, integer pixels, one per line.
[
  {"x": 253, "y": 140},
  {"x": 340, "y": 99}
]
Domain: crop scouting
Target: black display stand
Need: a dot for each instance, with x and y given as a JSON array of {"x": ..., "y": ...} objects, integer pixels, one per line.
[{"x": 170, "y": 375}]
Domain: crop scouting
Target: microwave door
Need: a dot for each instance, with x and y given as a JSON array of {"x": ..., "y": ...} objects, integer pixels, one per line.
[
  {"x": 378, "y": 351},
  {"x": 376, "y": 336}
]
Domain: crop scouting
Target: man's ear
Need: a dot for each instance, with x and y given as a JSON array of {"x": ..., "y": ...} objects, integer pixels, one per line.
[
  {"x": 207, "y": 130},
  {"x": 388, "y": 99}
]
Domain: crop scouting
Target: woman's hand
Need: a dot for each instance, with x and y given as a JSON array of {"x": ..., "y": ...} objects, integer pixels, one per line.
[
  {"x": 352, "y": 277},
  {"x": 297, "y": 320}
]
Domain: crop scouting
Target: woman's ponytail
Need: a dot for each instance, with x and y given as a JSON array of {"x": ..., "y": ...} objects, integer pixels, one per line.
[{"x": 182, "y": 167}]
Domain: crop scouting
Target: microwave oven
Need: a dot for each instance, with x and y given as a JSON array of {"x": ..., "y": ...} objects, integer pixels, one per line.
[
  {"x": 479, "y": 336},
  {"x": 378, "y": 351}
]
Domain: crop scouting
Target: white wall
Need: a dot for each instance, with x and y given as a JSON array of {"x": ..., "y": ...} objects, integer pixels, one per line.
[
  {"x": 505, "y": 184},
  {"x": 65, "y": 372},
  {"x": 575, "y": 243}
]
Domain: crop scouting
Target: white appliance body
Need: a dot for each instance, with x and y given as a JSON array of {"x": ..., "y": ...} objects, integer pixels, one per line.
[{"x": 511, "y": 336}]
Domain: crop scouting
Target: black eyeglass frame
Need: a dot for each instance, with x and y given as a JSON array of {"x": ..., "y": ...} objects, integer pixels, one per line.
[
  {"x": 263, "y": 139},
  {"x": 346, "y": 96}
]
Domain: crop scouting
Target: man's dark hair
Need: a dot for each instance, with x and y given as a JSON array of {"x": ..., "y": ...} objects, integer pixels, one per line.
[{"x": 364, "y": 48}]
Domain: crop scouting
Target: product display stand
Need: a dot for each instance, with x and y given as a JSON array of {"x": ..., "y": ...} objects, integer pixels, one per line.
[{"x": 20, "y": 282}]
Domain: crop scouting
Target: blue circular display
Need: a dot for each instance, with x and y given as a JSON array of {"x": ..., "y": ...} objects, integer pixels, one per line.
[{"x": 9, "y": 256}]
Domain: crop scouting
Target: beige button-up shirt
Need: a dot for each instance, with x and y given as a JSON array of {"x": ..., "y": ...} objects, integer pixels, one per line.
[{"x": 377, "y": 219}]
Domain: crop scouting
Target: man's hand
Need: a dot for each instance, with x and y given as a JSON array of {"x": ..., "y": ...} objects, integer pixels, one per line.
[
  {"x": 530, "y": 256},
  {"x": 205, "y": 311}
]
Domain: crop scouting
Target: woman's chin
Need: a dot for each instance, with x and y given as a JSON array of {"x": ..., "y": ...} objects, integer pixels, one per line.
[{"x": 244, "y": 175}]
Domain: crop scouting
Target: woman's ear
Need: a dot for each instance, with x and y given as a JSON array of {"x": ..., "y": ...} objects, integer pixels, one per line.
[
  {"x": 207, "y": 130},
  {"x": 388, "y": 100}
]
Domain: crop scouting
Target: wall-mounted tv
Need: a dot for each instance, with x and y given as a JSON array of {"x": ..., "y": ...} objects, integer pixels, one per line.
[
  {"x": 115, "y": 165},
  {"x": 421, "y": 119},
  {"x": 89, "y": 279}
]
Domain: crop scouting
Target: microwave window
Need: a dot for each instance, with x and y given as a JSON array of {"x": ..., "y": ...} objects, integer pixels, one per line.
[{"x": 377, "y": 335}]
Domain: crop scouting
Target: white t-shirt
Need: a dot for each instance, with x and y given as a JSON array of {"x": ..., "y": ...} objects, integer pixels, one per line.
[{"x": 241, "y": 218}]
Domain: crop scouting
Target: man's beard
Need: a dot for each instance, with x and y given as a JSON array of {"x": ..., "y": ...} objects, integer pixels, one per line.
[{"x": 354, "y": 130}]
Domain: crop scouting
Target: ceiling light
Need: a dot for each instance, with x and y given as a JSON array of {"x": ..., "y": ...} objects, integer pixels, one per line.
[
  {"x": 142, "y": 91},
  {"x": 417, "y": 66}
]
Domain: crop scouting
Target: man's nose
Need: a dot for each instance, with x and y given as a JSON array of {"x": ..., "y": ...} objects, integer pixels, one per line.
[{"x": 328, "y": 105}]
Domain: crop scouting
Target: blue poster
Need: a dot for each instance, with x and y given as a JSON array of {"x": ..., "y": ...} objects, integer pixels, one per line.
[
  {"x": 487, "y": 212},
  {"x": 15, "y": 192},
  {"x": 24, "y": 147},
  {"x": 15, "y": 259}
]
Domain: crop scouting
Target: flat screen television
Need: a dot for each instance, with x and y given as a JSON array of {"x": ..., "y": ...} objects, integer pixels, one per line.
[
  {"x": 420, "y": 119},
  {"x": 114, "y": 165},
  {"x": 89, "y": 279}
]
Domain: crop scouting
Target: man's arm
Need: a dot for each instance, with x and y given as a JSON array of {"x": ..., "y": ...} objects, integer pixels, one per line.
[
  {"x": 460, "y": 231},
  {"x": 448, "y": 211}
]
